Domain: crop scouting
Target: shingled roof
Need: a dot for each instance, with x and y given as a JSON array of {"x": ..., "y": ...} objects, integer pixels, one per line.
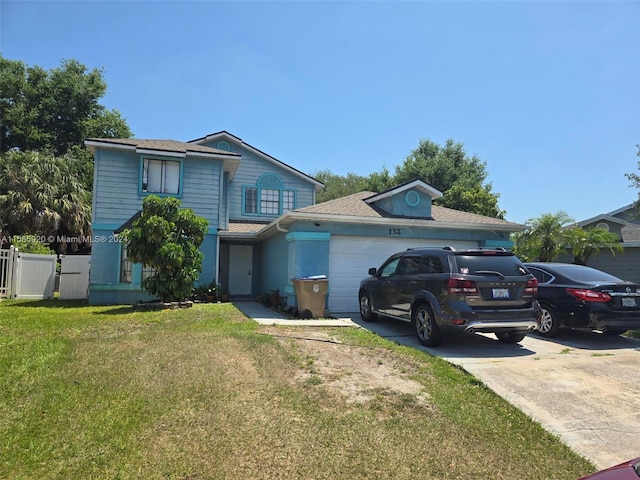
[
  {"x": 355, "y": 205},
  {"x": 160, "y": 145}
]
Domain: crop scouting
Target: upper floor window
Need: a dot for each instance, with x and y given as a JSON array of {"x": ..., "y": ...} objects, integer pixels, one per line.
[
  {"x": 268, "y": 197},
  {"x": 161, "y": 176}
]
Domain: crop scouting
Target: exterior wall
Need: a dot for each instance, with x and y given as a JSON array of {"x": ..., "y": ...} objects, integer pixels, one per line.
[
  {"x": 117, "y": 198},
  {"x": 305, "y": 249},
  {"x": 488, "y": 238},
  {"x": 624, "y": 265},
  {"x": 274, "y": 264},
  {"x": 251, "y": 168},
  {"x": 404, "y": 204}
]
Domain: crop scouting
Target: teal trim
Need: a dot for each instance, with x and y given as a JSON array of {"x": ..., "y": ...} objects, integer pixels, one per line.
[
  {"x": 115, "y": 287},
  {"x": 412, "y": 198},
  {"x": 142, "y": 193},
  {"x": 270, "y": 180},
  {"x": 223, "y": 146},
  {"x": 267, "y": 182},
  {"x": 508, "y": 244},
  {"x": 295, "y": 236},
  {"x": 105, "y": 226}
]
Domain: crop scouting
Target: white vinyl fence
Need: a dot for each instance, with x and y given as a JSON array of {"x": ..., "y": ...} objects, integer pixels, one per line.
[
  {"x": 6, "y": 271},
  {"x": 26, "y": 275},
  {"x": 74, "y": 276}
]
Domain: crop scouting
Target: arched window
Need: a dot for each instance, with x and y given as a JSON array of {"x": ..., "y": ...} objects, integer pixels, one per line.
[{"x": 268, "y": 197}]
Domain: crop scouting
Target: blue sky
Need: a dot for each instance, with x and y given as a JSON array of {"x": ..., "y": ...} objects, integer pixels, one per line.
[{"x": 546, "y": 93}]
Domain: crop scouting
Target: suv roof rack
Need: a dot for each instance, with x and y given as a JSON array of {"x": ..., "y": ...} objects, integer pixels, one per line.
[{"x": 448, "y": 247}]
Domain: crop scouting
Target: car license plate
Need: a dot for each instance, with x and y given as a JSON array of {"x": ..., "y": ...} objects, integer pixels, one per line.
[
  {"x": 500, "y": 293},
  {"x": 628, "y": 302}
]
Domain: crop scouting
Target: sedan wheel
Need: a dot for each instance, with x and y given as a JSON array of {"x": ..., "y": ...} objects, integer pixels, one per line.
[
  {"x": 365, "y": 308},
  {"x": 426, "y": 327},
  {"x": 549, "y": 324}
]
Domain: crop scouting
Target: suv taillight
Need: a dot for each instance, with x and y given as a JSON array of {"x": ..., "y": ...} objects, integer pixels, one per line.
[
  {"x": 532, "y": 287},
  {"x": 457, "y": 285},
  {"x": 589, "y": 295}
]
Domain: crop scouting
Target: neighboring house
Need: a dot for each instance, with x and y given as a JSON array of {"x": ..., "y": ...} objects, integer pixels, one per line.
[
  {"x": 624, "y": 222},
  {"x": 264, "y": 225}
]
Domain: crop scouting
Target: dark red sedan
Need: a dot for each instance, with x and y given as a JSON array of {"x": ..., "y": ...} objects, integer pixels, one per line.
[{"x": 625, "y": 471}]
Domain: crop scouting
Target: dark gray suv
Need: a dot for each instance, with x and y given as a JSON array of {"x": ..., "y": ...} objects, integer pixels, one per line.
[{"x": 444, "y": 290}]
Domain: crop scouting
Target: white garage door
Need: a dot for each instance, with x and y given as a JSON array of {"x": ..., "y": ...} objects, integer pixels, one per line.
[{"x": 350, "y": 258}]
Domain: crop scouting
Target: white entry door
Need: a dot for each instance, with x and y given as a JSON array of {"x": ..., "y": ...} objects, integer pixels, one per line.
[{"x": 240, "y": 269}]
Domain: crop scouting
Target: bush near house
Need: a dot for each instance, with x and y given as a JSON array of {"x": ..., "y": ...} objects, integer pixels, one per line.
[{"x": 167, "y": 238}]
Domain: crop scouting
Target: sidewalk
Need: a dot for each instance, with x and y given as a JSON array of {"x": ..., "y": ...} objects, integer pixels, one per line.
[{"x": 266, "y": 316}]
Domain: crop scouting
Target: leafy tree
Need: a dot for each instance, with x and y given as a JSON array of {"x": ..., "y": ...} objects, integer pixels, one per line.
[
  {"x": 442, "y": 167},
  {"x": 544, "y": 239},
  {"x": 459, "y": 177},
  {"x": 587, "y": 242},
  {"x": 448, "y": 168},
  {"x": 475, "y": 199},
  {"x": 55, "y": 109},
  {"x": 336, "y": 186},
  {"x": 40, "y": 196},
  {"x": 31, "y": 244},
  {"x": 167, "y": 238},
  {"x": 635, "y": 180}
]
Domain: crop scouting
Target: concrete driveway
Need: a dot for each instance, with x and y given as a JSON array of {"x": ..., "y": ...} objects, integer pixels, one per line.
[{"x": 583, "y": 387}]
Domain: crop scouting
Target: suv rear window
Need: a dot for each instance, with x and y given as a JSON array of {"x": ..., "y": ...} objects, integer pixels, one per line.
[{"x": 505, "y": 264}]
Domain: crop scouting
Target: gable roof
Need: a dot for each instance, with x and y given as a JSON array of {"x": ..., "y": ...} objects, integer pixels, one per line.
[
  {"x": 157, "y": 146},
  {"x": 168, "y": 148},
  {"x": 226, "y": 136},
  {"x": 411, "y": 184},
  {"x": 358, "y": 205},
  {"x": 354, "y": 209}
]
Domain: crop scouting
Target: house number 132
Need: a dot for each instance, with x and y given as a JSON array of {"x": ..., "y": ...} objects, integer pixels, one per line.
[{"x": 394, "y": 231}]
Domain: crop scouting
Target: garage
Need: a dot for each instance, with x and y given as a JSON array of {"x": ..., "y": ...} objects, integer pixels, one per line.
[{"x": 350, "y": 258}]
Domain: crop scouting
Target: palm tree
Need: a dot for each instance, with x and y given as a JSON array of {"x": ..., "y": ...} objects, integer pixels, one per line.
[
  {"x": 587, "y": 242},
  {"x": 39, "y": 195},
  {"x": 545, "y": 237}
]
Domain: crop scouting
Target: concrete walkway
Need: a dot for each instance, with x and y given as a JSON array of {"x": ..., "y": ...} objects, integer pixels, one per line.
[{"x": 267, "y": 316}]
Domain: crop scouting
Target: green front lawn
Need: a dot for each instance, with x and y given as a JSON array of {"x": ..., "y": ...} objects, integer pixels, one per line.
[{"x": 105, "y": 392}]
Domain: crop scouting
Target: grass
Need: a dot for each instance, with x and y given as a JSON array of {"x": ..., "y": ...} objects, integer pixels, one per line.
[{"x": 104, "y": 392}]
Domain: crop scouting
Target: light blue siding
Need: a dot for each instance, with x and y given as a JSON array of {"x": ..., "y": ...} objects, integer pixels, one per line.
[
  {"x": 117, "y": 196},
  {"x": 251, "y": 168},
  {"x": 398, "y": 204}
]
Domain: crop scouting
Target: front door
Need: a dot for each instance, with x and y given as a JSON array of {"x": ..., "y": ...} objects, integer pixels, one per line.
[{"x": 240, "y": 269}]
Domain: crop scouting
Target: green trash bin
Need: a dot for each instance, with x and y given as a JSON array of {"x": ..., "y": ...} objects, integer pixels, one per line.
[{"x": 311, "y": 293}]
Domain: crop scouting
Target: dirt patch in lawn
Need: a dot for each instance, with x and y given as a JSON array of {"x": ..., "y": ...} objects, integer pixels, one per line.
[{"x": 359, "y": 374}]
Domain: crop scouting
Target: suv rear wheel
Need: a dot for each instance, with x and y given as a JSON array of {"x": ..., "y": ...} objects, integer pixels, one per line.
[
  {"x": 426, "y": 327},
  {"x": 365, "y": 307}
]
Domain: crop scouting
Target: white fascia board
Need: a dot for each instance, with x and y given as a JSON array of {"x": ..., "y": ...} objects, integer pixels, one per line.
[
  {"x": 240, "y": 236},
  {"x": 161, "y": 153},
  {"x": 227, "y": 136},
  {"x": 620, "y": 210},
  {"x": 598, "y": 218},
  {"x": 92, "y": 144},
  {"x": 290, "y": 217},
  {"x": 418, "y": 184},
  {"x": 231, "y": 165}
]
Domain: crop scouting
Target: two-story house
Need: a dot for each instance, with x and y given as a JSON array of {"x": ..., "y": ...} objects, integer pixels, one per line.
[{"x": 265, "y": 227}]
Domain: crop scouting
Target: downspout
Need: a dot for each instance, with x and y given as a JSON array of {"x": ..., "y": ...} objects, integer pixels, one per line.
[{"x": 281, "y": 229}]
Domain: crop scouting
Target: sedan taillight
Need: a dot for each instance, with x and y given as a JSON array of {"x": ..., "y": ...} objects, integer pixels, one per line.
[
  {"x": 532, "y": 287},
  {"x": 457, "y": 285},
  {"x": 589, "y": 295}
]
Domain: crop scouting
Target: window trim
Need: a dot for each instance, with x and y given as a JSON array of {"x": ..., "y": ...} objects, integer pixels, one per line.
[
  {"x": 259, "y": 189},
  {"x": 180, "y": 161}
]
